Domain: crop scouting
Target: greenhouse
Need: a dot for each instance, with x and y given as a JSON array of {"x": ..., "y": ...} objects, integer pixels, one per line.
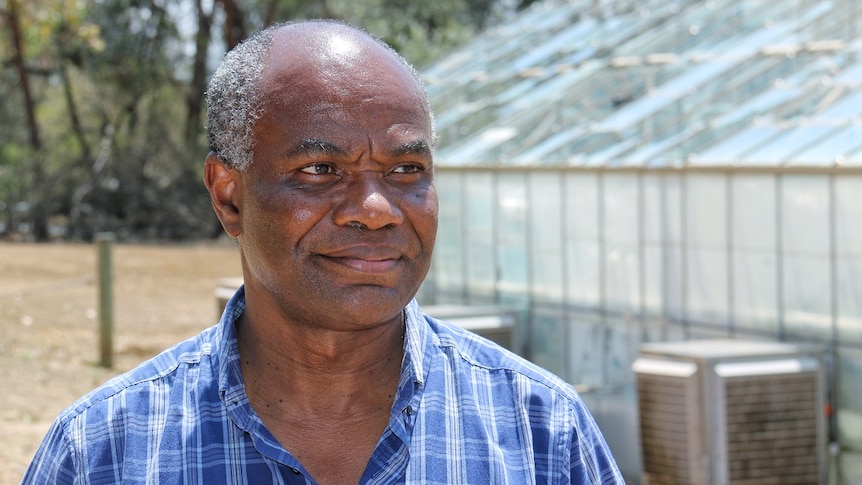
[{"x": 625, "y": 172}]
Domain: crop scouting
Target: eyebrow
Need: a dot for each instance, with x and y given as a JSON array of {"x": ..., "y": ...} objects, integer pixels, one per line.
[
  {"x": 416, "y": 147},
  {"x": 312, "y": 146}
]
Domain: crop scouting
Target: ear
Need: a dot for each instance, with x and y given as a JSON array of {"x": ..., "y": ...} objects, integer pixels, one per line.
[{"x": 223, "y": 184}]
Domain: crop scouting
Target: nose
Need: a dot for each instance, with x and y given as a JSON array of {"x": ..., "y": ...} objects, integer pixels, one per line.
[{"x": 367, "y": 202}]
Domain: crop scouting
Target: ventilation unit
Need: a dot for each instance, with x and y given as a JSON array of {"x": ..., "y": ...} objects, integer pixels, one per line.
[
  {"x": 495, "y": 323},
  {"x": 717, "y": 412}
]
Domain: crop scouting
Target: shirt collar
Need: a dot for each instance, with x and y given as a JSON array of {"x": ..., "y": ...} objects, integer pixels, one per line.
[
  {"x": 414, "y": 366},
  {"x": 231, "y": 386}
]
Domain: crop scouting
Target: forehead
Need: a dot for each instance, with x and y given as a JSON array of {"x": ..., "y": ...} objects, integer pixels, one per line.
[{"x": 313, "y": 69}]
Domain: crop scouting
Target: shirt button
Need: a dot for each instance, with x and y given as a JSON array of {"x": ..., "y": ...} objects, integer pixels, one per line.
[
  {"x": 409, "y": 410},
  {"x": 294, "y": 470}
]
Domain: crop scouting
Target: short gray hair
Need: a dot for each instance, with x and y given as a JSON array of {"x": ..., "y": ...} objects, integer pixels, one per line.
[
  {"x": 233, "y": 95},
  {"x": 233, "y": 100}
]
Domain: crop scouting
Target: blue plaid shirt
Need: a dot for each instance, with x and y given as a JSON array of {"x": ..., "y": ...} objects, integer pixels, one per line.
[{"x": 466, "y": 412}]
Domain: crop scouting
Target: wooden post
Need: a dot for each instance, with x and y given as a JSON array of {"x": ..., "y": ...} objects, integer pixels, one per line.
[{"x": 104, "y": 244}]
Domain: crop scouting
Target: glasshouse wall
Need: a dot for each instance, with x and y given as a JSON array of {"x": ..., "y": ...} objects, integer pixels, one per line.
[{"x": 602, "y": 260}]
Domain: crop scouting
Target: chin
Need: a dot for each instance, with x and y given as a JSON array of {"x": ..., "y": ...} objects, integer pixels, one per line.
[{"x": 373, "y": 305}]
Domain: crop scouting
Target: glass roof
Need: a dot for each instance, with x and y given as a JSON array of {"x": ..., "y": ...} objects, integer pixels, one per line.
[{"x": 656, "y": 83}]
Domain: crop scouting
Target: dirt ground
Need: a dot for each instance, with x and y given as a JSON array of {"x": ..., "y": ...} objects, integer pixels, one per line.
[{"x": 49, "y": 325}]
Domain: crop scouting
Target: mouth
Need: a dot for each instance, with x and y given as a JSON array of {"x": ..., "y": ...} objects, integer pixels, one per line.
[{"x": 365, "y": 259}]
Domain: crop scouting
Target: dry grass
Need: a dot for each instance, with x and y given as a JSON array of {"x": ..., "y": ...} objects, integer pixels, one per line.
[{"x": 49, "y": 326}]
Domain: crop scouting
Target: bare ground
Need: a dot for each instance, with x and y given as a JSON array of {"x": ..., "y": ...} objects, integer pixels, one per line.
[{"x": 49, "y": 325}]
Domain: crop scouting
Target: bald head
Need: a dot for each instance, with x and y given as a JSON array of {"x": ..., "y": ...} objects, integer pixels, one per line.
[{"x": 294, "y": 54}]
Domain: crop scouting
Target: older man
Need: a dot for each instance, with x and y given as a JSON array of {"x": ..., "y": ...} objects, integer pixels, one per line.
[{"x": 322, "y": 368}]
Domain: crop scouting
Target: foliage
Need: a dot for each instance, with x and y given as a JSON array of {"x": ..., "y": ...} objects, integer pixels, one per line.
[{"x": 100, "y": 127}]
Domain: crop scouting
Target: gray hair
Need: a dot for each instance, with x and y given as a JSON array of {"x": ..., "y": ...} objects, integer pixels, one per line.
[
  {"x": 233, "y": 95},
  {"x": 232, "y": 100}
]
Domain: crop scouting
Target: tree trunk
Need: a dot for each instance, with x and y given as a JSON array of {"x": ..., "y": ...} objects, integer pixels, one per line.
[
  {"x": 38, "y": 214},
  {"x": 72, "y": 107},
  {"x": 271, "y": 9},
  {"x": 234, "y": 25},
  {"x": 13, "y": 13},
  {"x": 195, "y": 95}
]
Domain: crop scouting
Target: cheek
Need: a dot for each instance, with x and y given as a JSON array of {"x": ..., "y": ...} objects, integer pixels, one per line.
[
  {"x": 303, "y": 215},
  {"x": 426, "y": 210},
  {"x": 290, "y": 209}
]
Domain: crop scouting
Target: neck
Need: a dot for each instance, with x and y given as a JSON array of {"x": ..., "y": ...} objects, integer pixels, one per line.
[{"x": 315, "y": 369}]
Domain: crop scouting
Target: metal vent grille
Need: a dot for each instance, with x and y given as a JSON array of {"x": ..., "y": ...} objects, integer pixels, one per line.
[
  {"x": 663, "y": 429},
  {"x": 772, "y": 428},
  {"x": 666, "y": 394},
  {"x": 730, "y": 412}
]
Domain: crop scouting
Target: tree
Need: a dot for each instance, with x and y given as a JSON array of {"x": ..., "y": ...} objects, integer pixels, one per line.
[{"x": 101, "y": 129}]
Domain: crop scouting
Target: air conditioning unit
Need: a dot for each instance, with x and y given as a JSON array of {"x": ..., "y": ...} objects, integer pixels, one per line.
[
  {"x": 493, "y": 322},
  {"x": 721, "y": 412}
]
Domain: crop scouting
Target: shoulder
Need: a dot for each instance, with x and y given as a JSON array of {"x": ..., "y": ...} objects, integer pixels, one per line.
[
  {"x": 483, "y": 355},
  {"x": 153, "y": 376},
  {"x": 493, "y": 387},
  {"x": 123, "y": 413}
]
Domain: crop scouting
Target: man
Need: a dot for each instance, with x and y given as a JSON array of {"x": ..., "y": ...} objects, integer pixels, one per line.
[{"x": 322, "y": 368}]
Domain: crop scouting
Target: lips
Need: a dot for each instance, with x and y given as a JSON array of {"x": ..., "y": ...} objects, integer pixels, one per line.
[{"x": 366, "y": 259}]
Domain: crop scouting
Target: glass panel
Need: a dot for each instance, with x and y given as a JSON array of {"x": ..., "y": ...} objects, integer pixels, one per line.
[
  {"x": 849, "y": 301},
  {"x": 447, "y": 271},
  {"x": 586, "y": 334},
  {"x": 655, "y": 217},
  {"x": 755, "y": 291},
  {"x": 783, "y": 147},
  {"x": 675, "y": 282},
  {"x": 845, "y": 108},
  {"x": 655, "y": 286},
  {"x": 805, "y": 244},
  {"x": 582, "y": 261},
  {"x": 807, "y": 307},
  {"x": 757, "y": 105},
  {"x": 706, "y": 286},
  {"x": 805, "y": 215},
  {"x": 548, "y": 339},
  {"x": 582, "y": 239},
  {"x": 546, "y": 224},
  {"x": 512, "y": 234},
  {"x": 654, "y": 233},
  {"x": 755, "y": 263},
  {"x": 620, "y": 349},
  {"x": 622, "y": 286},
  {"x": 728, "y": 149},
  {"x": 754, "y": 212},
  {"x": 479, "y": 234},
  {"x": 706, "y": 262},
  {"x": 849, "y": 400},
  {"x": 706, "y": 210},
  {"x": 621, "y": 204},
  {"x": 673, "y": 208},
  {"x": 839, "y": 146},
  {"x": 848, "y": 214}
]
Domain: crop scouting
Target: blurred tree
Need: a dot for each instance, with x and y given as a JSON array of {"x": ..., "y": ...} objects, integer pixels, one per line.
[
  {"x": 13, "y": 14},
  {"x": 24, "y": 168},
  {"x": 421, "y": 31},
  {"x": 103, "y": 100}
]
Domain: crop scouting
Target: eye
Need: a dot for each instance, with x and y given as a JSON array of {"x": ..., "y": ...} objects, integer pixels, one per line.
[
  {"x": 409, "y": 168},
  {"x": 318, "y": 169}
]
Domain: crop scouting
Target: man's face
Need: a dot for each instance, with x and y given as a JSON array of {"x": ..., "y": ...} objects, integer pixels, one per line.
[{"x": 338, "y": 211}]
